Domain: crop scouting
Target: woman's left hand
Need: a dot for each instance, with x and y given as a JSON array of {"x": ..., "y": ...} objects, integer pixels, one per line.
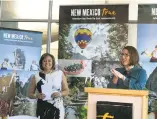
[
  {"x": 118, "y": 74},
  {"x": 56, "y": 94}
]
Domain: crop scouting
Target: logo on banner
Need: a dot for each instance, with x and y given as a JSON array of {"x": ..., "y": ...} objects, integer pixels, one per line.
[
  {"x": 154, "y": 13},
  {"x": 106, "y": 11},
  {"x": 16, "y": 37},
  {"x": 85, "y": 12},
  {"x": 106, "y": 116},
  {"x": 92, "y": 14}
]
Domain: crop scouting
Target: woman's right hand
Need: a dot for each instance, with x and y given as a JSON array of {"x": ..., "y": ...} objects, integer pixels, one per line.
[
  {"x": 40, "y": 96},
  {"x": 115, "y": 80}
]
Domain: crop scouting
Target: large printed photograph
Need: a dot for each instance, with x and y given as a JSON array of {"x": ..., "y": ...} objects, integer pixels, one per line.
[
  {"x": 92, "y": 41},
  {"x": 147, "y": 48},
  {"x": 22, "y": 105},
  {"x": 101, "y": 76},
  {"x": 101, "y": 44},
  {"x": 19, "y": 57},
  {"x": 147, "y": 43},
  {"x": 151, "y": 85},
  {"x": 76, "y": 68},
  {"x": 76, "y": 102}
]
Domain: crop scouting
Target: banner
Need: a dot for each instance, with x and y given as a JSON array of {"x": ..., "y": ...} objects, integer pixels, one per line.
[
  {"x": 20, "y": 53},
  {"x": 90, "y": 40},
  {"x": 147, "y": 48},
  {"x": 93, "y": 14},
  {"x": 147, "y": 13}
]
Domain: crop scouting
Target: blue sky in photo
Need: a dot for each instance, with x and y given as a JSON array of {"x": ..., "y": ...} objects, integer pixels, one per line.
[
  {"x": 146, "y": 39},
  {"x": 31, "y": 53}
]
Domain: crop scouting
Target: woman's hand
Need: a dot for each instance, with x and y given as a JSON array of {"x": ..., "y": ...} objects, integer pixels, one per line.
[
  {"x": 56, "y": 94},
  {"x": 117, "y": 74},
  {"x": 115, "y": 80},
  {"x": 40, "y": 96}
]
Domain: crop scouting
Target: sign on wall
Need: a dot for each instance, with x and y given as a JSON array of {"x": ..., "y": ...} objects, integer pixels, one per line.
[
  {"x": 20, "y": 53},
  {"x": 147, "y": 48},
  {"x": 90, "y": 39}
]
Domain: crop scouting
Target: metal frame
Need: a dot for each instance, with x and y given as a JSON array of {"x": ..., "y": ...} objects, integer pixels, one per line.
[
  {"x": 29, "y": 20},
  {"x": 49, "y": 26}
]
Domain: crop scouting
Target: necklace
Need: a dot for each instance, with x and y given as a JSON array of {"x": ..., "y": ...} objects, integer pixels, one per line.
[{"x": 48, "y": 72}]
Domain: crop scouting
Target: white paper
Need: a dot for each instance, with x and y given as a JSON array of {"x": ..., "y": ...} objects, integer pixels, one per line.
[{"x": 47, "y": 90}]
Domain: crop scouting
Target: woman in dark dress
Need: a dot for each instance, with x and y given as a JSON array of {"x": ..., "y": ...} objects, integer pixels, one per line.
[{"x": 49, "y": 108}]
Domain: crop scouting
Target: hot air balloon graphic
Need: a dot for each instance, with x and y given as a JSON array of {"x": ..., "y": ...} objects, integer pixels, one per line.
[{"x": 82, "y": 37}]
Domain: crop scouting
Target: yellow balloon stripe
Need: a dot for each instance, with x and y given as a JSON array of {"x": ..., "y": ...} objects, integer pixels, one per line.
[{"x": 83, "y": 31}]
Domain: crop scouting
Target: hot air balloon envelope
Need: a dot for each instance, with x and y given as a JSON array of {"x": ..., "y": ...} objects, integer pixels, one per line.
[{"x": 83, "y": 37}]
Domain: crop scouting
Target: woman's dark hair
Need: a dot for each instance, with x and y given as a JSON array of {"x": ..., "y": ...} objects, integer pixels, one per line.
[
  {"x": 134, "y": 56},
  {"x": 43, "y": 57}
]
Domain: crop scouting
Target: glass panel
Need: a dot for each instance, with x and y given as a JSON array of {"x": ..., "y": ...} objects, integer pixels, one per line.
[
  {"x": 54, "y": 43},
  {"x": 25, "y": 9},
  {"x": 53, "y": 49},
  {"x": 55, "y": 29},
  {"x": 57, "y": 3}
]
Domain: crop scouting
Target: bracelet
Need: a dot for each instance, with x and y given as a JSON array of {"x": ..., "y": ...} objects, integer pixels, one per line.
[{"x": 35, "y": 95}]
